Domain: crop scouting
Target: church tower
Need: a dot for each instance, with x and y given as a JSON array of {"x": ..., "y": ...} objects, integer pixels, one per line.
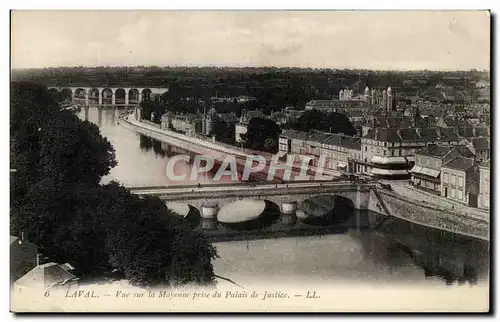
[
  {"x": 389, "y": 100},
  {"x": 384, "y": 100},
  {"x": 367, "y": 94}
]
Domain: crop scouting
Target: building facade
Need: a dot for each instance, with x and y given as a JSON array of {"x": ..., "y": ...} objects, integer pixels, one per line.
[
  {"x": 426, "y": 173},
  {"x": 460, "y": 181},
  {"x": 484, "y": 186}
]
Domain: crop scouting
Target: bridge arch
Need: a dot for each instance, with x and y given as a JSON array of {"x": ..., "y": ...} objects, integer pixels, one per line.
[
  {"x": 67, "y": 94},
  {"x": 120, "y": 94},
  {"x": 146, "y": 94},
  {"x": 344, "y": 209},
  {"x": 80, "y": 93},
  {"x": 94, "y": 95},
  {"x": 107, "y": 96},
  {"x": 133, "y": 96}
]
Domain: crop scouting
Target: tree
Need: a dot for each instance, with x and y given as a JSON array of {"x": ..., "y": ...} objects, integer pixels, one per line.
[
  {"x": 331, "y": 122},
  {"x": 57, "y": 199},
  {"x": 259, "y": 130}
]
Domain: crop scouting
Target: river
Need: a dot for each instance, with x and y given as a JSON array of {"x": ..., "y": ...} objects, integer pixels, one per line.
[{"x": 398, "y": 252}]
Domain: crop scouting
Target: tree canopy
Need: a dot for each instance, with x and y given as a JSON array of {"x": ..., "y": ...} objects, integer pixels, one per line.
[
  {"x": 330, "y": 122},
  {"x": 262, "y": 134},
  {"x": 58, "y": 202}
]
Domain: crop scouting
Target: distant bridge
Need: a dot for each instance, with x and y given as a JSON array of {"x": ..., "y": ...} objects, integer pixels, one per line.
[
  {"x": 108, "y": 95},
  {"x": 363, "y": 197}
]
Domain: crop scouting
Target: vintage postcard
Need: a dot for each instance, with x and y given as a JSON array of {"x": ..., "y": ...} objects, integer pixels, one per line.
[{"x": 250, "y": 161}]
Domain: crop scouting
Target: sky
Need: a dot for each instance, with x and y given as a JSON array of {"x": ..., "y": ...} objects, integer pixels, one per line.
[{"x": 380, "y": 40}]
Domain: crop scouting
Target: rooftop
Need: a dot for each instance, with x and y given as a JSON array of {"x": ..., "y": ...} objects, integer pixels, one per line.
[
  {"x": 459, "y": 163},
  {"x": 47, "y": 274},
  {"x": 434, "y": 151}
]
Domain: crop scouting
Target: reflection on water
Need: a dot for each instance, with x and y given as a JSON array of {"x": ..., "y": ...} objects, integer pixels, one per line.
[
  {"x": 142, "y": 161},
  {"x": 397, "y": 250}
]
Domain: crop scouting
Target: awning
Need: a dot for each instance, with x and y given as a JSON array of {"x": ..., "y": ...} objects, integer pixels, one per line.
[
  {"x": 410, "y": 159},
  {"x": 416, "y": 169},
  {"x": 387, "y": 172},
  {"x": 426, "y": 171},
  {"x": 341, "y": 165},
  {"x": 281, "y": 154},
  {"x": 431, "y": 172},
  {"x": 388, "y": 160}
]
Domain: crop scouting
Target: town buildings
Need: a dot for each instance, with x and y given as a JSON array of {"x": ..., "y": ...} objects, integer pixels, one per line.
[
  {"x": 460, "y": 181},
  {"x": 426, "y": 173},
  {"x": 484, "y": 186}
]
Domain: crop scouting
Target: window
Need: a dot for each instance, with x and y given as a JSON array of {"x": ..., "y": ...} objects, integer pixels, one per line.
[
  {"x": 385, "y": 152},
  {"x": 459, "y": 194},
  {"x": 453, "y": 179},
  {"x": 366, "y": 149},
  {"x": 452, "y": 192},
  {"x": 445, "y": 178},
  {"x": 392, "y": 152},
  {"x": 460, "y": 181}
]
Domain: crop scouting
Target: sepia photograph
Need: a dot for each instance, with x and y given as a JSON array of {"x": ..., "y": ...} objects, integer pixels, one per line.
[{"x": 250, "y": 161}]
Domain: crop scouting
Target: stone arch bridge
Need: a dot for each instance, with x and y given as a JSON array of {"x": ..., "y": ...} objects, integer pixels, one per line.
[
  {"x": 362, "y": 196},
  {"x": 108, "y": 95}
]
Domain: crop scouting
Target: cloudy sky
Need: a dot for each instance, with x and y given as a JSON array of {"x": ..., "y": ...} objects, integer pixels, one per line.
[{"x": 322, "y": 39}]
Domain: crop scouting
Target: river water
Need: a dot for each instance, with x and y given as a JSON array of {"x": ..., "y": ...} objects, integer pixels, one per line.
[{"x": 398, "y": 252}]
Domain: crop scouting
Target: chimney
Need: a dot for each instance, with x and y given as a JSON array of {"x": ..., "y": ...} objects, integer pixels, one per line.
[{"x": 38, "y": 260}]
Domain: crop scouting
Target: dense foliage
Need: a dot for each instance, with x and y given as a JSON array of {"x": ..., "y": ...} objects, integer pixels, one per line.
[
  {"x": 317, "y": 120},
  {"x": 58, "y": 202},
  {"x": 262, "y": 134}
]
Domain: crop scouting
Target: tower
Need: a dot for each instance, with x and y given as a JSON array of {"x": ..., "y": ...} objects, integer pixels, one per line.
[
  {"x": 341, "y": 95},
  {"x": 384, "y": 99},
  {"x": 373, "y": 98},
  {"x": 367, "y": 94},
  {"x": 389, "y": 100}
]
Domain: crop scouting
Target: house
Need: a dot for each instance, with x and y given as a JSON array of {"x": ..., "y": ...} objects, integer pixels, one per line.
[
  {"x": 189, "y": 124},
  {"x": 480, "y": 147},
  {"x": 46, "y": 275},
  {"x": 460, "y": 181},
  {"x": 22, "y": 257},
  {"x": 383, "y": 153},
  {"x": 484, "y": 186},
  {"x": 426, "y": 173}
]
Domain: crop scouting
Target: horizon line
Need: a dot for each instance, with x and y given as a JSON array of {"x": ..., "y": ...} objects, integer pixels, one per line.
[{"x": 252, "y": 67}]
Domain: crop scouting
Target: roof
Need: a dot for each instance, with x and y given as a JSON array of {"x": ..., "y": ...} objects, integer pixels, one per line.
[
  {"x": 350, "y": 142},
  {"x": 292, "y": 134},
  {"x": 481, "y": 131},
  {"x": 434, "y": 151},
  {"x": 448, "y": 134},
  {"x": 464, "y": 151},
  {"x": 383, "y": 134},
  {"x": 480, "y": 143},
  {"x": 428, "y": 134},
  {"x": 409, "y": 135},
  {"x": 459, "y": 163},
  {"x": 47, "y": 274},
  {"x": 315, "y": 136}
]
